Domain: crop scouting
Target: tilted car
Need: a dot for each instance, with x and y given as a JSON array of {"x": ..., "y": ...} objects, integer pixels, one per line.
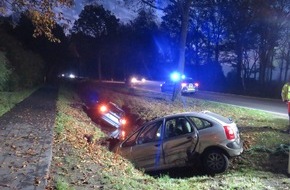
[
  {"x": 183, "y": 140},
  {"x": 110, "y": 114},
  {"x": 188, "y": 85}
]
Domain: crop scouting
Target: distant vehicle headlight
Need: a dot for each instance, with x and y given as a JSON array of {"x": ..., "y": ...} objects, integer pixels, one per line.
[
  {"x": 72, "y": 76},
  {"x": 134, "y": 80},
  {"x": 143, "y": 80}
]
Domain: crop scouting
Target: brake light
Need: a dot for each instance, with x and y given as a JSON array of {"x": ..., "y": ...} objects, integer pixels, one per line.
[
  {"x": 122, "y": 135},
  {"x": 229, "y": 133},
  {"x": 123, "y": 121},
  {"x": 103, "y": 108},
  {"x": 196, "y": 84},
  {"x": 183, "y": 84}
]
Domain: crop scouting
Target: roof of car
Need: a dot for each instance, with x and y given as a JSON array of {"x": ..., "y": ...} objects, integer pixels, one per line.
[{"x": 203, "y": 114}]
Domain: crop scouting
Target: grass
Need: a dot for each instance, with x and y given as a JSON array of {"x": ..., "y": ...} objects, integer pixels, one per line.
[
  {"x": 9, "y": 99},
  {"x": 62, "y": 185},
  {"x": 82, "y": 164}
]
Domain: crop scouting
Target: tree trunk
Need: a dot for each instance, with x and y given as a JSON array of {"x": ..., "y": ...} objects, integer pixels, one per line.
[{"x": 185, "y": 7}]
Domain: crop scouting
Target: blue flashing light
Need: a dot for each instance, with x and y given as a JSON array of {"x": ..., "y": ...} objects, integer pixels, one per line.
[{"x": 175, "y": 76}]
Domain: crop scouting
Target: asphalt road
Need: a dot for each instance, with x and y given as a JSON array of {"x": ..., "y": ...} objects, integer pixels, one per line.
[{"x": 274, "y": 106}]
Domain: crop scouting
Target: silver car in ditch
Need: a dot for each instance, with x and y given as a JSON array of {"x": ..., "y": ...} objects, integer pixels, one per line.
[{"x": 183, "y": 140}]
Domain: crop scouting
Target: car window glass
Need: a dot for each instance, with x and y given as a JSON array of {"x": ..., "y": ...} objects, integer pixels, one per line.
[
  {"x": 151, "y": 133},
  {"x": 188, "y": 80},
  {"x": 131, "y": 140},
  {"x": 177, "y": 126},
  {"x": 200, "y": 123}
]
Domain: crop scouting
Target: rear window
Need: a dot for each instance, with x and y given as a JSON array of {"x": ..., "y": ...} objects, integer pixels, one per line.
[
  {"x": 188, "y": 80},
  {"x": 220, "y": 117}
]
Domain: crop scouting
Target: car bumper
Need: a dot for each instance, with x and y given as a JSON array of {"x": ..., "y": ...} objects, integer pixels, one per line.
[
  {"x": 234, "y": 148},
  {"x": 189, "y": 90}
]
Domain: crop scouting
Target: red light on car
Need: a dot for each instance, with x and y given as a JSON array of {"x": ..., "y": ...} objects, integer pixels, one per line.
[
  {"x": 196, "y": 84},
  {"x": 123, "y": 121},
  {"x": 122, "y": 135},
  {"x": 229, "y": 133},
  {"x": 183, "y": 84},
  {"x": 103, "y": 108}
]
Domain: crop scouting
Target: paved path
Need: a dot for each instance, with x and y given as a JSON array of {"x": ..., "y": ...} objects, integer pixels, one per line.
[{"x": 26, "y": 134}]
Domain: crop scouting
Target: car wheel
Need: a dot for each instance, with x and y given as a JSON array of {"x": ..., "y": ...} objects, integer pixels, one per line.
[{"x": 215, "y": 161}]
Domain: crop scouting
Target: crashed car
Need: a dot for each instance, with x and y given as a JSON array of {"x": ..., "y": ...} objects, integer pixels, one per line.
[
  {"x": 110, "y": 114},
  {"x": 183, "y": 139}
]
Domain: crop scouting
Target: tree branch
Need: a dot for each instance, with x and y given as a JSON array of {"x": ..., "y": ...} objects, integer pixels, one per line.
[{"x": 149, "y": 3}]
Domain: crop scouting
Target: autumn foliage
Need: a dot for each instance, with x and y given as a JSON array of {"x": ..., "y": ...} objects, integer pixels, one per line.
[{"x": 42, "y": 13}]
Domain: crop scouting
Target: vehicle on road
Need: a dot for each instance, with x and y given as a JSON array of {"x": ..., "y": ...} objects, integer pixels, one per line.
[
  {"x": 188, "y": 85},
  {"x": 135, "y": 80},
  {"x": 183, "y": 139}
]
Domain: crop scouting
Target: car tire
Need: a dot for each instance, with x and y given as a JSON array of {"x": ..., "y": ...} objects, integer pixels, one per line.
[{"x": 215, "y": 161}]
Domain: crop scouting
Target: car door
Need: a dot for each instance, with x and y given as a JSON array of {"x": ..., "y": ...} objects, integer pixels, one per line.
[
  {"x": 148, "y": 153},
  {"x": 180, "y": 141}
]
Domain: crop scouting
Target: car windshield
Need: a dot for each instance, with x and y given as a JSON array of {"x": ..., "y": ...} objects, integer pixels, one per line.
[{"x": 188, "y": 80}]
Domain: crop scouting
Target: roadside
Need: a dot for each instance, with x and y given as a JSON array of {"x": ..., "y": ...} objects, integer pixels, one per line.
[
  {"x": 26, "y": 133},
  {"x": 86, "y": 163}
]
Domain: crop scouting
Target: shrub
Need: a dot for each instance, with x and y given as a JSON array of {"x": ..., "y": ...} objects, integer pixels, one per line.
[{"x": 27, "y": 65}]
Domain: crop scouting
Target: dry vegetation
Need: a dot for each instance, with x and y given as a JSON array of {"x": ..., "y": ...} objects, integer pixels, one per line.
[{"x": 81, "y": 159}]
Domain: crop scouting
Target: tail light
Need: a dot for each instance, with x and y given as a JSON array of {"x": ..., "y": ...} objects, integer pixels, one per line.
[
  {"x": 123, "y": 121},
  {"x": 103, "y": 108},
  {"x": 196, "y": 84},
  {"x": 229, "y": 133},
  {"x": 122, "y": 135},
  {"x": 183, "y": 84}
]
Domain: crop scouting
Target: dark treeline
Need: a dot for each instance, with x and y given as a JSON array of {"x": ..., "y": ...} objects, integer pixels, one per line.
[{"x": 238, "y": 46}]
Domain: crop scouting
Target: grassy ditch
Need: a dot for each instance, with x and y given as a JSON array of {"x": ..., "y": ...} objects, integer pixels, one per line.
[
  {"x": 81, "y": 159},
  {"x": 9, "y": 99}
]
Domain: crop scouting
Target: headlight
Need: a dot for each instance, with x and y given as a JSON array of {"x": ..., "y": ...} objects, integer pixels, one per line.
[
  {"x": 143, "y": 80},
  {"x": 134, "y": 80},
  {"x": 72, "y": 76}
]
